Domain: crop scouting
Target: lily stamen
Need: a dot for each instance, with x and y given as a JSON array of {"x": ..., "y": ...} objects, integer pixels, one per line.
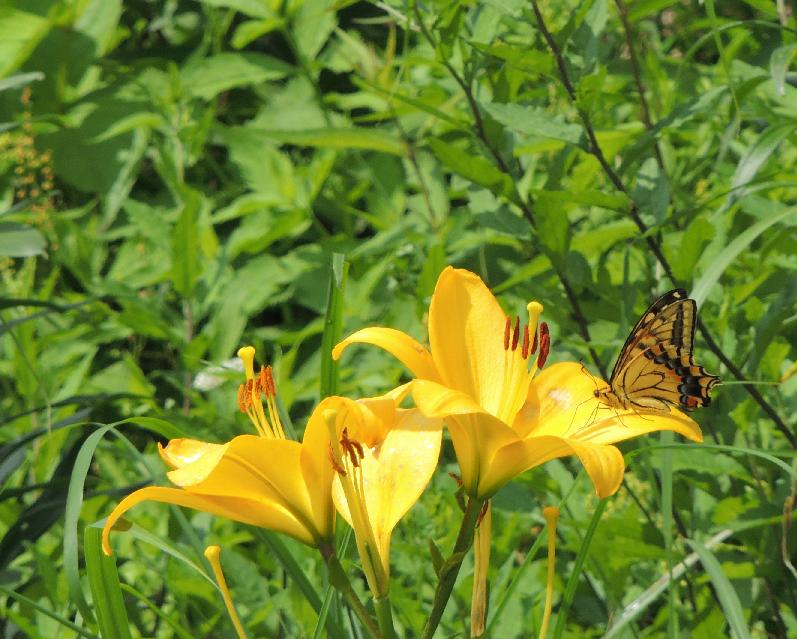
[
  {"x": 516, "y": 333},
  {"x": 249, "y": 397},
  {"x": 545, "y": 345},
  {"x": 347, "y": 454},
  {"x": 340, "y": 470}
]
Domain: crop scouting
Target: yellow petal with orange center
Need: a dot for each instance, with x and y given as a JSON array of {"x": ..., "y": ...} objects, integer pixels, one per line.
[
  {"x": 467, "y": 339},
  {"x": 257, "y": 512},
  {"x": 407, "y": 350}
]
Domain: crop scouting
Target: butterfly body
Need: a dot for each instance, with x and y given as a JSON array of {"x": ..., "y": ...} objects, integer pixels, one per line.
[{"x": 655, "y": 368}]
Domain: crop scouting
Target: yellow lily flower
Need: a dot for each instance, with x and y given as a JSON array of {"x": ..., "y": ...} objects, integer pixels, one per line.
[
  {"x": 503, "y": 420},
  {"x": 264, "y": 480},
  {"x": 384, "y": 457}
]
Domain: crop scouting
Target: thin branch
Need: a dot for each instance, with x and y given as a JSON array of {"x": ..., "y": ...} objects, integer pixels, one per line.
[
  {"x": 526, "y": 207},
  {"x": 637, "y": 73},
  {"x": 653, "y": 245}
]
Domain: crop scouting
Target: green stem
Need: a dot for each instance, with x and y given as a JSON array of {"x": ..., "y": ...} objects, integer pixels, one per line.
[
  {"x": 384, "y": 615},
  {"x": 450, "y": 570},
  {"x": 340, "y": 580}
]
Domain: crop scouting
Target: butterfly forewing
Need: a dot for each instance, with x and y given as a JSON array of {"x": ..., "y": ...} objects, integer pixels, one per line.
[{"x": 655, "y": 366}]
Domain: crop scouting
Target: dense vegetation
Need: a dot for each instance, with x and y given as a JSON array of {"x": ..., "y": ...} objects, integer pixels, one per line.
[{"x": 178, "y": 179}]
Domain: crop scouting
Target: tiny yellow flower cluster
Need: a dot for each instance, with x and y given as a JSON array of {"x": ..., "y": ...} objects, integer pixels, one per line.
[{"x": 33, "y": 179}]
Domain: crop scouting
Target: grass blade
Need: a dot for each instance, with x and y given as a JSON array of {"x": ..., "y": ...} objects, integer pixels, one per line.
[
  {"x": 166, "y": 618},
  {"x": 729, "y": 600},
  {"x": 74, "y": 502},
  {"x": 729, "y": 253},
  {"x": 296, "y": 573},
  {"x": 332, "y": 324},
  {"x": 45, "y": 611},
  {"x": 643, "y": 601},
  {"x": 578, "y": 565},
  {"x": 106, "y": 593}
]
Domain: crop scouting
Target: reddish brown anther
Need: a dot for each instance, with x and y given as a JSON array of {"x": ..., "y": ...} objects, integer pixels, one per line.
[
  {"x": 352, "y": 447},
  {"x": 242, "y": 398},
  {"x": 267, "y": 381},
  {"x": 516, "y": 333},
  {"x": 525, "y": 349},
  {"x": 545, "y": 345},
  {"x": 534, "y": 343},
  {"x": 507, "y": 328},
  {"x": 335, "y": 465}
]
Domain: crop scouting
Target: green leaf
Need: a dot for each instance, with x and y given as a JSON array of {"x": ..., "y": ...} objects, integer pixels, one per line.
[
  {"x": 106, "y": 592},
  {"x": 717, "y": 267},
  {"x": 644, "y": 8},
  {"x": 699, "y": 233},
  {"x": 729, "y": 599},
  {"x": 438, "y": 560},
  {"x": 534, "y": 121},
  {"x": 779, "y": 64},
  {"x": 553, "y": 226},
  {"x": 19, "y": 240},
  {"x": 253, "y": 8},
  {"x": 208, "y": 77},
  {"x": 333, "y": 321},
  {"x": 251, "y": 30},
  {"x": 20, "y": 34},
  {"x": 185, "y": 245},
  {"x": 758, "y": 153},
  {"x": 474, "y": 168},
  {"x": 20, "y": 80}
]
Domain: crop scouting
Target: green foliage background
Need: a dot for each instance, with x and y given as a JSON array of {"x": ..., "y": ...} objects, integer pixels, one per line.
[{"x": 176, "y": 176}]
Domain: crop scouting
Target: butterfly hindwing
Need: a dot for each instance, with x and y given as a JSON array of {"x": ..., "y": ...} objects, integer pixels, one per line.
[{"x": 656, "y": 367}]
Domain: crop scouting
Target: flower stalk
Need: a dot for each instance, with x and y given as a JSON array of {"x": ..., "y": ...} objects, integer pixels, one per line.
[
  {"x": 450, "y": 570},
  {"x": 340, "y": 581},
  {"x": 551, "y": 514}
]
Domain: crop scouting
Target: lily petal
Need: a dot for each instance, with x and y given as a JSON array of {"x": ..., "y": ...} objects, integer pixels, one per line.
[
  {"x": 395, "y": 474},
  {"x": 407, "y": 350},
  {"x": 436, "y": 400},
  {"x": 180, "y": 452},
  {"x": 466, "y": 334},
  {"x": 604, "y": 464},
  {"x": 476, "y": 434},
  {"x": 567, "y": 407},
  {"x": 255, "y": 512},
  {"x": 253, "y": 468}
]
